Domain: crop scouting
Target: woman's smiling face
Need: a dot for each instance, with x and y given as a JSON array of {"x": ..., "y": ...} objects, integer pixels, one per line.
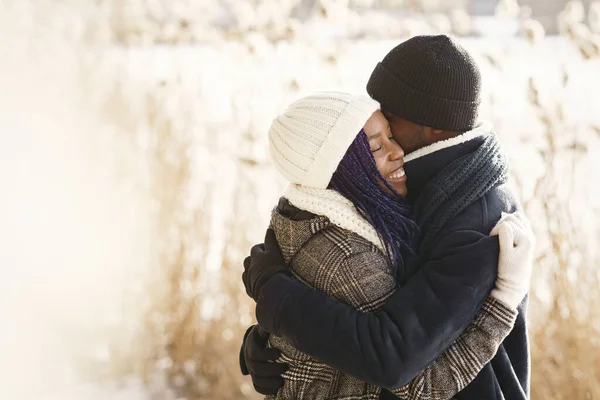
[{"x": 388, "y": 155}]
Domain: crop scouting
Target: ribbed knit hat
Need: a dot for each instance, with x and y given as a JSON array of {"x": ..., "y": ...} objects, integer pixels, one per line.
[
  {"x": 431, "y": 81},
  {"x": 308, "y": 141}
]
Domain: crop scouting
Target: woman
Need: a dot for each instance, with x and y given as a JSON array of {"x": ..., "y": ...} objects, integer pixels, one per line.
[{"x": 344, "y": 228}]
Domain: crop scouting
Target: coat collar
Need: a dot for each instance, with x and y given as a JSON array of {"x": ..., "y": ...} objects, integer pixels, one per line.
[
  {"x": 424, "y": 164},
  {"x": 287, "y": 210}
]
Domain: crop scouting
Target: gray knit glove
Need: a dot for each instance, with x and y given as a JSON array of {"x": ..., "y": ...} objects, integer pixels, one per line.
[{"x": 515, "y": 263}]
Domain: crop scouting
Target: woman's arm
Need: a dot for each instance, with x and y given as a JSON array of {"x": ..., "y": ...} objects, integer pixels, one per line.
[
  {"x": 390, "y": 347},
  {"x": 458, "y": 365},
  {"x": 365, "y": 280},
  {"x": 478, "y": 344},
  {"x": 463, "y": 360}
]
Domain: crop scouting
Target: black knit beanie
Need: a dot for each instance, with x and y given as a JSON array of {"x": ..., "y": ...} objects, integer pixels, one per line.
[{"x": 431, "y": 81}]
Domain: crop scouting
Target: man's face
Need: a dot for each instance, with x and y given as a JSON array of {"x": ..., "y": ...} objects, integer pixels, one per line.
[{"x": 408, "y": 135}]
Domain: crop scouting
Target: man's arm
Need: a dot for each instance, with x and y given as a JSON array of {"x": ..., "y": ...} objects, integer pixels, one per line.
[{"x": 388, "y": 348}]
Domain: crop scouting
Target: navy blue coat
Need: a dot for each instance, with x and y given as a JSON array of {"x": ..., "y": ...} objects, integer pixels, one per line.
[{"x": 388, "y": 348}]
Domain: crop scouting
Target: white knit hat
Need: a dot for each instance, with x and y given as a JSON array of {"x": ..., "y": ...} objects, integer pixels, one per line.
[{"x": 308, "y": 141}]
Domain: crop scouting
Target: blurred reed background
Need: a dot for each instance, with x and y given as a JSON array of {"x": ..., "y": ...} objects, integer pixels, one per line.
[{"x": 135, "y": 175}]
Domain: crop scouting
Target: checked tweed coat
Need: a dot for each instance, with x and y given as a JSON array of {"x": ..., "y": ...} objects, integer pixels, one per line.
[{"x": 351, "y": 269}]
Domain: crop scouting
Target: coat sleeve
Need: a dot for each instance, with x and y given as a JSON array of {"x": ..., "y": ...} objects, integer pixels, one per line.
[
  {"x": 390, "y": 347},
  {"x": 465, "y": 358}
]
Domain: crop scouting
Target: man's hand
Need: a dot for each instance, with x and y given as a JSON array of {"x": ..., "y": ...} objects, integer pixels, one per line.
[
  {"x": 265, "y": 260},
  {"x": 258, "y": 361}
]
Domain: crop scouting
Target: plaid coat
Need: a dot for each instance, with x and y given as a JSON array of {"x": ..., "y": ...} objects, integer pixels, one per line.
[{"x": 352, "y": 270}]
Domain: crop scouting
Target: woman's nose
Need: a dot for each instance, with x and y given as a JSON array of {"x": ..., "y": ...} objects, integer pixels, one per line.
[{"x": 396, "y": 152}]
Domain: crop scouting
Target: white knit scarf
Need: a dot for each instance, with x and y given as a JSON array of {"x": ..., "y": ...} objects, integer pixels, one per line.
[{"x": 334, "y": 206}]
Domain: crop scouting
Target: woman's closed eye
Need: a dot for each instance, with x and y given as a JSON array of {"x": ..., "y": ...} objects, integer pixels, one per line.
[{"x": 380, "y": 146}]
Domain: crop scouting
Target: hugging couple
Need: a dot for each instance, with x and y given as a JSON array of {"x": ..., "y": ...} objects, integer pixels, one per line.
[{"x": 398, "y": 261}]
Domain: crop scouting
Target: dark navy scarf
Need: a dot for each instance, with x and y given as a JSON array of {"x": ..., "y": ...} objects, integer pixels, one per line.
[{"x": 456, "y": 186}]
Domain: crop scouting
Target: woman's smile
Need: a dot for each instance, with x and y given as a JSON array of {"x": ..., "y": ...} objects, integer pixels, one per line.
[{"x": 397, "y": 175}]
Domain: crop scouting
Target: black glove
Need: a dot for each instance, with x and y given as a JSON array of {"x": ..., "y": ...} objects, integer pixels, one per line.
[
  {"x": 258, "y": 361},
  {"x": 265, "y": 260}
]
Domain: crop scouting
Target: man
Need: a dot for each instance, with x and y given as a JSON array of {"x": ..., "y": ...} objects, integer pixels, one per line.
[{"x": 429, "y": 89}]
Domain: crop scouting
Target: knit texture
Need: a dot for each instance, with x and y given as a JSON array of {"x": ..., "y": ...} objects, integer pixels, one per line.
[
  {"x": 517, "y": 241},
  {"x": 335, "y": 207},
  {"x": 463, "y": 360},
  {"x": 350, "y": 269},
  {"x": 458, "y": 185},
  {"x": 310, "y": 138},
  {"x": 431, "y": 81}
]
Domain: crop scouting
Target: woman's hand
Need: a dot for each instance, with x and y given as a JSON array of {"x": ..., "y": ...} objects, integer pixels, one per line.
[{"x": 515, "y": 263}]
